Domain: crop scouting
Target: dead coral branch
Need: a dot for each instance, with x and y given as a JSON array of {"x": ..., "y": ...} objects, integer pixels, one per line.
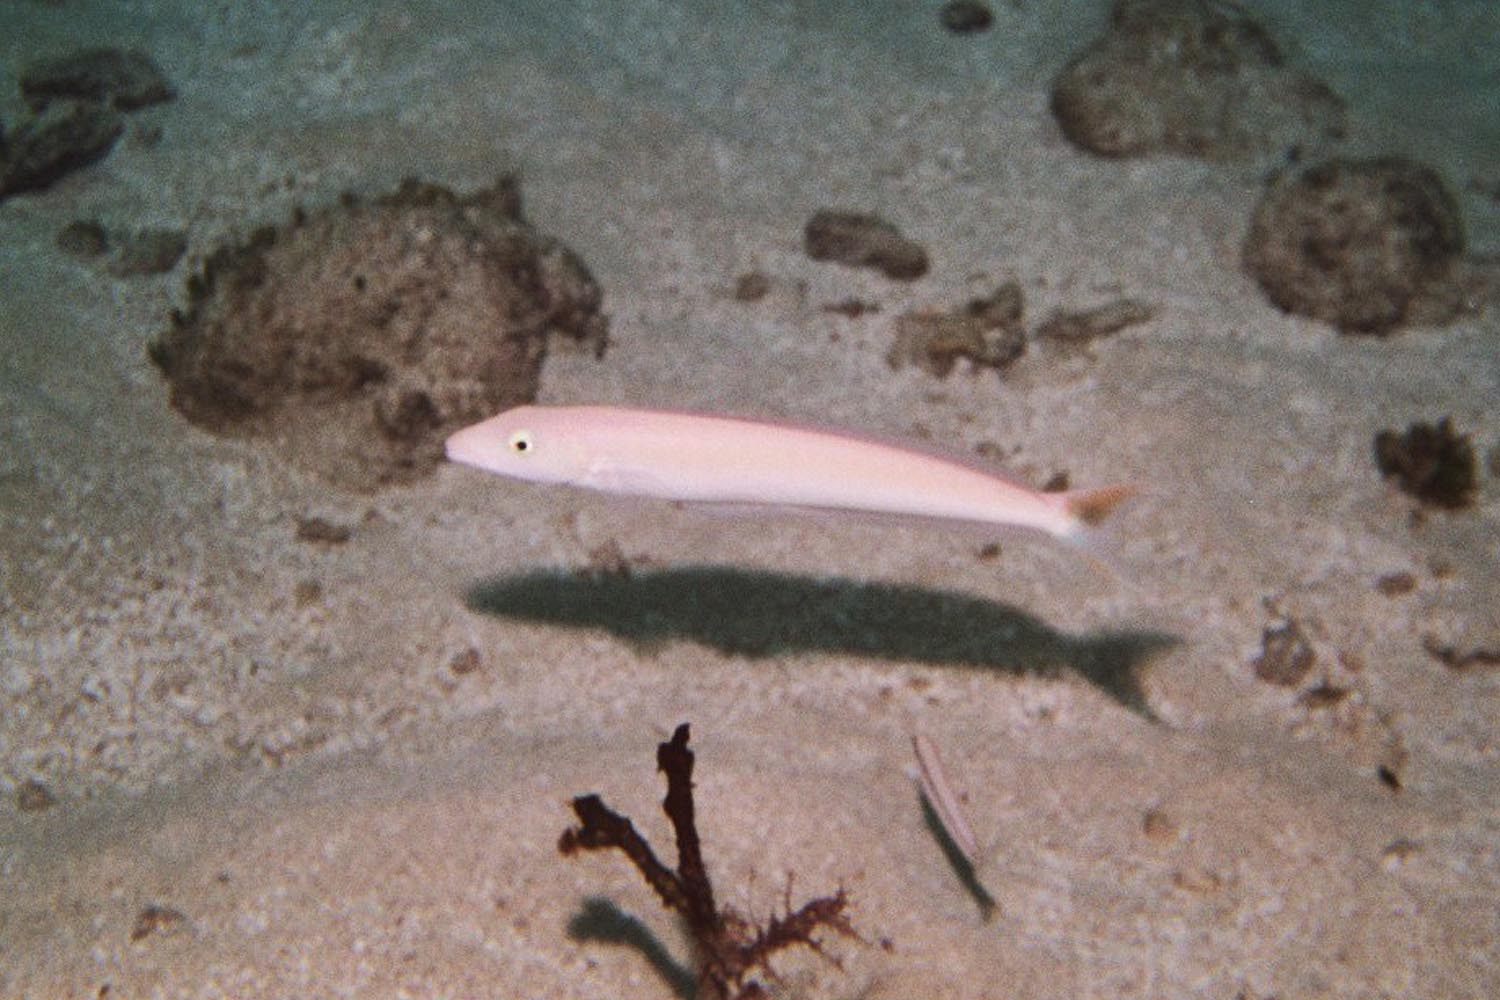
[{"x": 732, "y": 949}]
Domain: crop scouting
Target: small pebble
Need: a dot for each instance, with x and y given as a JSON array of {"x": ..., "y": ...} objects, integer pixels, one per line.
[
  {"x": 987, "y": 332},
  {"x": 851, "y": 308},
  {"x": 965, "y": 17},
  {"x": 154, "y": 919},
  {"x": 751, "y": 286},
  {"x": 465, "y": 662},
  {"x": 124, "y": 80},
  {"x": 1397, "y": 852},
  {"x": 322, "y": 531},
  {"x": 67, "y": 136},
  {"x": 150, "y": 251},
  {"x": 33, "y": 796},
  {"x": 1158, "y": 827},
  {"x": 1286, "y": 656},
  {"x": 307, "y": 593},
  {"x": 1396, "y": 584},
  {"x": 82, "y": 238},
  {"x": 935, "y": 342},
  {"x": 1092, "y": 324},
  {"x": 859, "y": 239}
]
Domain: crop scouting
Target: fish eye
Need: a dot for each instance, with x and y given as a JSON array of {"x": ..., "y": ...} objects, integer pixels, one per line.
[{"x": 520, "y": 442}]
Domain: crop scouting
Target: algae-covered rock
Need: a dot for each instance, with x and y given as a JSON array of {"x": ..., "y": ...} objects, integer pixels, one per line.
[
  {"x": 1192, "y": 77},
  {"x": 356, "y": 338},
  {"x": 1365, "y": 245}
]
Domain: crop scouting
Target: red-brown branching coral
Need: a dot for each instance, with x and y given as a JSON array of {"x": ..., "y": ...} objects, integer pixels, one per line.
[{"x": 732, "y": 949}]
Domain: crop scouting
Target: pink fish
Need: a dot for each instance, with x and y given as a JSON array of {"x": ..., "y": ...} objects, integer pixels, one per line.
[{"x": 715, "y": 459}]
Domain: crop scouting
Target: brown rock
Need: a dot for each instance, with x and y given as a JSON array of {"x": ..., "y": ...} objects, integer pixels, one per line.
[
  {"x": 83, "y": 238},
  {"x": 33, "y": 796},
  {"x": 1364, "y": 245},
  {"x": 357, "y": 337},
  {"x": 1092, "y": 324},
  {"x": 1193, "y": 77},
  {"x": 965, "y": 17},
  {"x": 146, "y": 252},
  {"x": 986, "y": 332},
  {"x": 1286, "y": 656},
  {"x": 124, "y": 80},
  {"x": 1432, "y": 463},
  {"x": 67, "y": 136},
  {"x": 862, "y": 240}
]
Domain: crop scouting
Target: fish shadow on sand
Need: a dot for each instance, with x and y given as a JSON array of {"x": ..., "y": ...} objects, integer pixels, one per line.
[{"x": 759, "y": 614}]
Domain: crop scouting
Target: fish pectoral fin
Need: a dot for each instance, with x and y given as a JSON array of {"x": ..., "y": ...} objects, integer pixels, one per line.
[{"x": 611, "y": 477}]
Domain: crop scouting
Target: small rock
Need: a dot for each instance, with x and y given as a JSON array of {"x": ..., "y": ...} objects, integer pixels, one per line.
[
  {"x": 33, "y": 796},
  {"x": 935, "y": 342},
  {"x": 1092, "y": 324},
  {"x": 121, "y": 79},
  {"x": 752, "y": 286},
  {"x": 1433, "y": 464},
  {"x": 83, "y": 238},
  {"x": 1001, "y": 308},
  {"x": 1159, "y": 827},
  {"x": 1455, "y": 658},
  {"x": 862, "y": 240},
  {"x": 1396, "y": 584},
  {"x": 1192, "y": 77},
  {"x": 1397, "y": 852},
  {"x": 149, "y": 251},
  {"x": 1366, "y": 246},
  {"x": 851, "y": 308},
  {"x": 156, "y": 919},
  {"x": 1389, "y": 778},
  {"x": 986, "y": 332},
  {"x": 1323, "y": 695},
  {"x": 322, "y": 531},
  {"x": 965, "y": 17},
  {"x": 307, "y": 593},
  {"x": 67, "y": 136},
  {"x": 1286, "y": 656},
  {"x": 465, "y": 662}
]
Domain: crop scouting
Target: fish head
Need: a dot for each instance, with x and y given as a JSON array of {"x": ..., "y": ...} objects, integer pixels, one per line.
[{"x": 532, "y": 443}]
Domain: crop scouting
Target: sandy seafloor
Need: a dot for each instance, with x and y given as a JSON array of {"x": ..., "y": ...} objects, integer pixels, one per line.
[{"x": 333, "y": 811}]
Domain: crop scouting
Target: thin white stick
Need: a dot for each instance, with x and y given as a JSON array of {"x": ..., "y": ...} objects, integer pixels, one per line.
[{"x": 940, "y": 795}]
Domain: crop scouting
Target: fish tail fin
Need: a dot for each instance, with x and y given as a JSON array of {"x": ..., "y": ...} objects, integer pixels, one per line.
[
  {"x": 1087, "y": 511},
  {"x": 1089, "y": 508}
]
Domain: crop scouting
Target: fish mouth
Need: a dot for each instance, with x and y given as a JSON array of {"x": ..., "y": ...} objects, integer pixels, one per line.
[{"x": 467, "y": 446}]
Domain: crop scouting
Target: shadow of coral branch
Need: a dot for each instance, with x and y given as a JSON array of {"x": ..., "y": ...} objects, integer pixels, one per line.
[{"x": 603, "y": 921}]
